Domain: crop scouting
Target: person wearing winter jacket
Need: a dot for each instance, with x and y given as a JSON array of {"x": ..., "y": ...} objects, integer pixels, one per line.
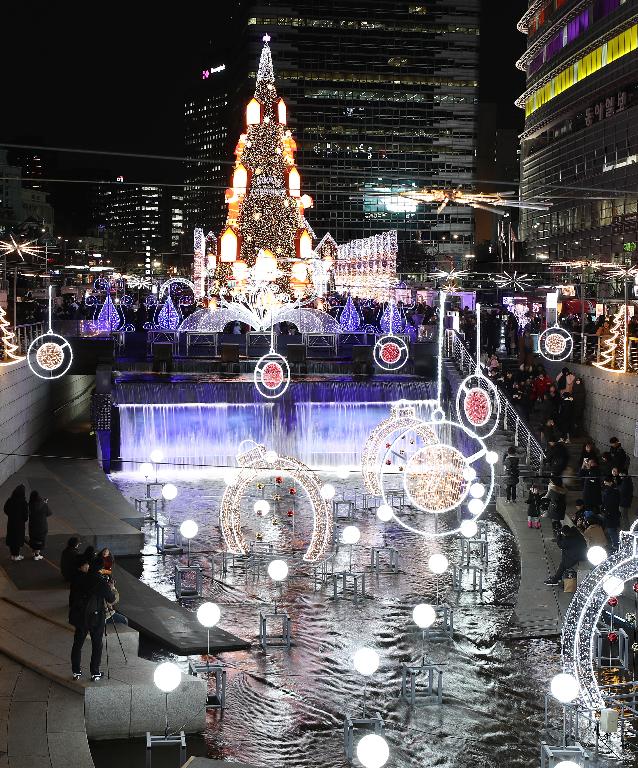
[
  {"x": 17, "y": 511},
  {"x": 511, "y": 464},
  {"x": 594, "y": 533},
  {"x": 38, "y": 523},
  {"x": 557, "y": 456},
  {"x": 557, "y": 498},
  {"x": 590, "y": 476},
  {"x": 89, "y": 595},
  {"x": 573, "y": 549},
  {"x": 625, "y": 486},
  {"x": 534, "y": 507},
  {"x": 618, "y": 454},
  {"x": 611, "y": 509}
]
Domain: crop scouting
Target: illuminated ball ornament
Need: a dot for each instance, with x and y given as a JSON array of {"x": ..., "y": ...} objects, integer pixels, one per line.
[
  {"x": 373, "y": 751},
  {"x": 272, "y": 375},
  {"x": 424, "y": 615},
  {"x": 350, "y": 534},
  {"x": 391, "y": 353},
  {"x": 188, "y": 529},
  {"x": 385, "y": 513},
  {"x": 278, "y": 570},
  {"x": 434, "y": 478},
  {"x": 169, "y": 491},
  {"x": 555, "y": 344},
  {"x": 366, "y": 661},
  {"x": 49, "y": 356},
  {"x": 438, "y": 563},
  {"x": 477, "y": 407},
  {"x": 596, "y": 555},
  {"x": 469, "y": 529},
  {"x": 478, "y": 404},
  {"x": 167, "y": 677},
  {"x": 564, "y": 687},
  {"x": 208, "y": 614}
]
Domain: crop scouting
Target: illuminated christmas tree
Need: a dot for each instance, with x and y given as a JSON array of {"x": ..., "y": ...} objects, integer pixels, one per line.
[
  {"x": 266, "y": 228},
  {"x": 613, "y": 349},
  {"x": 7, "y": 337}
]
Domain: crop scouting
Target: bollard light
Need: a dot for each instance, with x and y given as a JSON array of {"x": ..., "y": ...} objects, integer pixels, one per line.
[
  {"x": 189, "y": 529},
  {"x": 385, "y": 513},
  {"x": 438, "y": 563},
  {"x": 424, "y": 615},
  {"x": 156, "y": 456},
  {"x": 208, "y": 615},
  {"x": 169, "y": 491},
  {"x": 167, "y": 677},
  {"x": 327, "y": 491},
  {"x": 564, "y": 687},
  {"x": 373, "y": 751},
  {"x": 350, "y": 534},
  {"x": 469, "y": 529}
]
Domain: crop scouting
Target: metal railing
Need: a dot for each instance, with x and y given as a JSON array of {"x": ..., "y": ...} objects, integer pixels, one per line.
[
  {"x": 587, "y": 350},
  {"x": 25, "y": 334},
  {"x": 509, "y": 419}
]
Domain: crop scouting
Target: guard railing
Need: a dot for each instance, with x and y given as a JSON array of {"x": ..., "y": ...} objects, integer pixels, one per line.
[{"x": 25, "y": 334}]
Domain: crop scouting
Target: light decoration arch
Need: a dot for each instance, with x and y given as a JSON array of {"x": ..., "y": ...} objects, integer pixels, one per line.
[
  {"x": 584, "y": 612},
  {"x": 254, "y": 463},
  {"x": 555, "y": 343}
]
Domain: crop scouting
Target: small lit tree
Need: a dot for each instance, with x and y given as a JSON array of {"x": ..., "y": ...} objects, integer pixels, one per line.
[
  {"x": 613, "y": 349},
  {"x": 7, "y": 336}
]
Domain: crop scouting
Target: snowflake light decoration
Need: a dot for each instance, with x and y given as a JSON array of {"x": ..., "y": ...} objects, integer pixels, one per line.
[
  {"x": 515, "y": 281},
  {"x": 450, "y": 278},
  {"x": 21, "y": 249}
]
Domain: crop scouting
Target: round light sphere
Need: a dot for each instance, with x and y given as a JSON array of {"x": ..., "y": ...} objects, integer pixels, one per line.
[
  {"x": 385, "y": 513},
  {"x": 491, "y": 457},
  {"x": 50, "y": 356},
  {"x": 156, "y": 455},
  {"x": 564, "y": 687},
  {"x": 278, "y": 570},
  {"x": 438, "y": 563},
  {"x": 366, "y": 661},
  {"x": 350, "y": 534},
  {"x": 188, "y": 529},
  {"x": 327, "y": 492},
  {"x": 468, "y": 528},
  {"x": 469, "y": 474},
  {"x": 596, "y": 555},
  {"x": 373, "y": 751},
  {"x": 169, "y": 491},
  {"x": 477, "y": 491},
  {"x": 567, "y": 764},
  {"x": 423, "y": 615},
  {"x": 434, "y": 478},
  {"x": 261, "y": 505},
  {"x": 343, "y": 473},
  {"x": 146, "y": 469},
  {"x": 271, "y": 456},
  {"x": 167, "y": 676},
  {"x": 613, "y": 586},
  {"x": 208, "y": 614},
  {"x": 475, "y": 506}
]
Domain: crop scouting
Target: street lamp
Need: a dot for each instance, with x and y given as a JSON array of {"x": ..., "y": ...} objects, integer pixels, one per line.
[
  {"x": 208, "y": 615},
  {"x": 188, "y": 530}
]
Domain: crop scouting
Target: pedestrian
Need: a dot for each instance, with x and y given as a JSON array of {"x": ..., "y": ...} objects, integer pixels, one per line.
[
  {"x": 90, "y": 592},
  {"x": 589, "y": 450},
  {"x": 17, "y": 511},
  {"x": 592, "y": 493},
  {"x": 557, "y": 498},
  {"x": 511, "y": 464},
  {"x": 579, "y": 396},
  {"x": 625, "y": 486},
  {"x": 573, "y": 549},
  {"x": 38, "y": 524},
  {"x": 557, "y": 456},
  {"x": 566, "y": 415},
  {"x": 618, "y": 454},
  {"x": 534, "y": 507},
  {"x": 611, "y": 509},
  {"x": 105, "y": 564},
  {"x": 68, "y": 558}
]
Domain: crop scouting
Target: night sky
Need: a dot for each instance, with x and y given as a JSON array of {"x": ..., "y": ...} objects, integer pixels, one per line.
[{"x": 117, "y": 81}]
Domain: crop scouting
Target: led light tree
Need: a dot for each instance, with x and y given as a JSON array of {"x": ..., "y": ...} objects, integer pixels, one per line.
[
  {"x": 7, "y": 338},
  {"x": 613, "y": 350},
  {"x": 266, "y": 230}
]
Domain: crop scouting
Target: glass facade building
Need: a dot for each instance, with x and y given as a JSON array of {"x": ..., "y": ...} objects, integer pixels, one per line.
[
  {"x": 382, "y": 97},
  {"x": 579, "y": 149}
]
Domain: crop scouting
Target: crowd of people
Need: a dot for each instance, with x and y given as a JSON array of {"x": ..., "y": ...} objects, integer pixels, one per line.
[{"x": 93, "y": 595}]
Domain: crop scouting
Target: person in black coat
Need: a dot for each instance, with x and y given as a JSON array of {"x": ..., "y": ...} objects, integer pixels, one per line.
[
  {"x": 17, "y": 511},
  {"x": 611, "y": 509},
  {"x": 69, "y": 557},
  {"x": 573, "y": 549},
  {"x": 38, "y": 524},
  {"x": 618, "y": 454},
  {"x": 89, "y": 594},
  {"x": 557, "y": 502},
  {"x": 510, "y": 462},
  {"x": 590, "y": 475},
  {"x": 534, "y": 507},
  {"x": 557, "y": 456},
  {"x": 625, "y": 486}
]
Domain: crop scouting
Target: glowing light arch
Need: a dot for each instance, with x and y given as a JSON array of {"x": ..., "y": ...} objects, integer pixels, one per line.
[{"x": 253, "y": 463}]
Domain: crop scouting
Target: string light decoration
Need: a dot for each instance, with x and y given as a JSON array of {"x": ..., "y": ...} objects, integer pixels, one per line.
[
  {"x": 266, "y": 210},
  {"x": 50, "y": 355},
  {"x": 109, "y": 317},
  {"x": 367, "y": 268},
  {"x": 204, "y": 261},
  {"x": 520, "y": 311},
  {"x": 272, "y": 375},
  {"x": 592, "y": 596},
  {"x": 7, "y": 338},
  {"x": 613, "y": 350},
  {"x": 555, "y": 343},
  {"x": 514, "y": 281},
  {"x": 477, "y": 401},
  {"x": 179, "y": 291},
  {"x": 449, "y": 279},
  {"x": 391, "y": 353},
  {"x": 15, "y": 247},
  {"x": 255, "y": 464},
  {"x": 350, "y": 319},
  {"x": 486, "y": 201}
]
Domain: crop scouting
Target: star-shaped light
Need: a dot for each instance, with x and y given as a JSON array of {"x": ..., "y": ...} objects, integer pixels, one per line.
[
  {"x": 515, "y": 281},
  {"x": 627, "y": 272},
  {"x": 451, "y": 276},
  {"x": 22, "y": 249}
]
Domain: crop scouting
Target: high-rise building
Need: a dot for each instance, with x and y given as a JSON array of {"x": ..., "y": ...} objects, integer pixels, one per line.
[
  {"x": 11, "y": 210},
  {"x": 579, "y": 149},
  {"x": 206, "y": 131},
  {"x": 383, "y": 98}
]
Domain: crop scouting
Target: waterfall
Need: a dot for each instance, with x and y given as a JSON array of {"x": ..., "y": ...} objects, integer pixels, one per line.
[{"x": 322, "y": 423}]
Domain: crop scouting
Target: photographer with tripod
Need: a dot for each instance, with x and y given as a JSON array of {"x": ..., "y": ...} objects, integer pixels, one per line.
[{"x": 90, "y": 592}]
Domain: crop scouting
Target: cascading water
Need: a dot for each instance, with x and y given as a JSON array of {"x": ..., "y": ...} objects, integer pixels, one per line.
[{"x": 324, "y": 424}]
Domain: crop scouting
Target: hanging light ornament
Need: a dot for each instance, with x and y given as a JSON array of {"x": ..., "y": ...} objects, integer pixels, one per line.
[{"x": 50, "y": 355}]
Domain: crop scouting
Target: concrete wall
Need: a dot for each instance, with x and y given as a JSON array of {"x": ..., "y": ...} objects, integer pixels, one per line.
[
  {"x": 30, "y": 408},
  {"x": 611, "y": 407}
]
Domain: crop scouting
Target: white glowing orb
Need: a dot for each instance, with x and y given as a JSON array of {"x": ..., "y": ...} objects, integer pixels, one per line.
[
  {"x": 156, "y": 455},
  {"x": 208, "y": 614},
  {"x": 385, "y": 513},
  {"x": 146, "y": 469},
  {"x": 564, "y": 687},
  {"x": 373, "y": 751},
  {"x": 469, "y": 474},
  {"x": 271, "y": 456},
  {"x": 169, "y": 491},
  {"x": 423, "y": 615},
  {"x": 469, "y": 528},
  {"x": 477, "y": 491},
  {"x": 491, "y": 457},
  {"x": 350, "y": 534},
  {"x": 343, "y": 473},
  {"x": 278, "y": 570},
  {"x": 596, "y": 555},
  {"x": 475, "y": 506},
  {"x": 366, "y": 661},
  {"x": 327, "y": 491},
  {"x": 613, "y": 586},
  {"x": 188, "y": 529},
  {"x": 230, "y": 477},
  {"x": 50, "y": 356},
  {"x": 167, "y": 676},
  {"x": 438, "y": 563},
  {"x": 262, "y": 507}
]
